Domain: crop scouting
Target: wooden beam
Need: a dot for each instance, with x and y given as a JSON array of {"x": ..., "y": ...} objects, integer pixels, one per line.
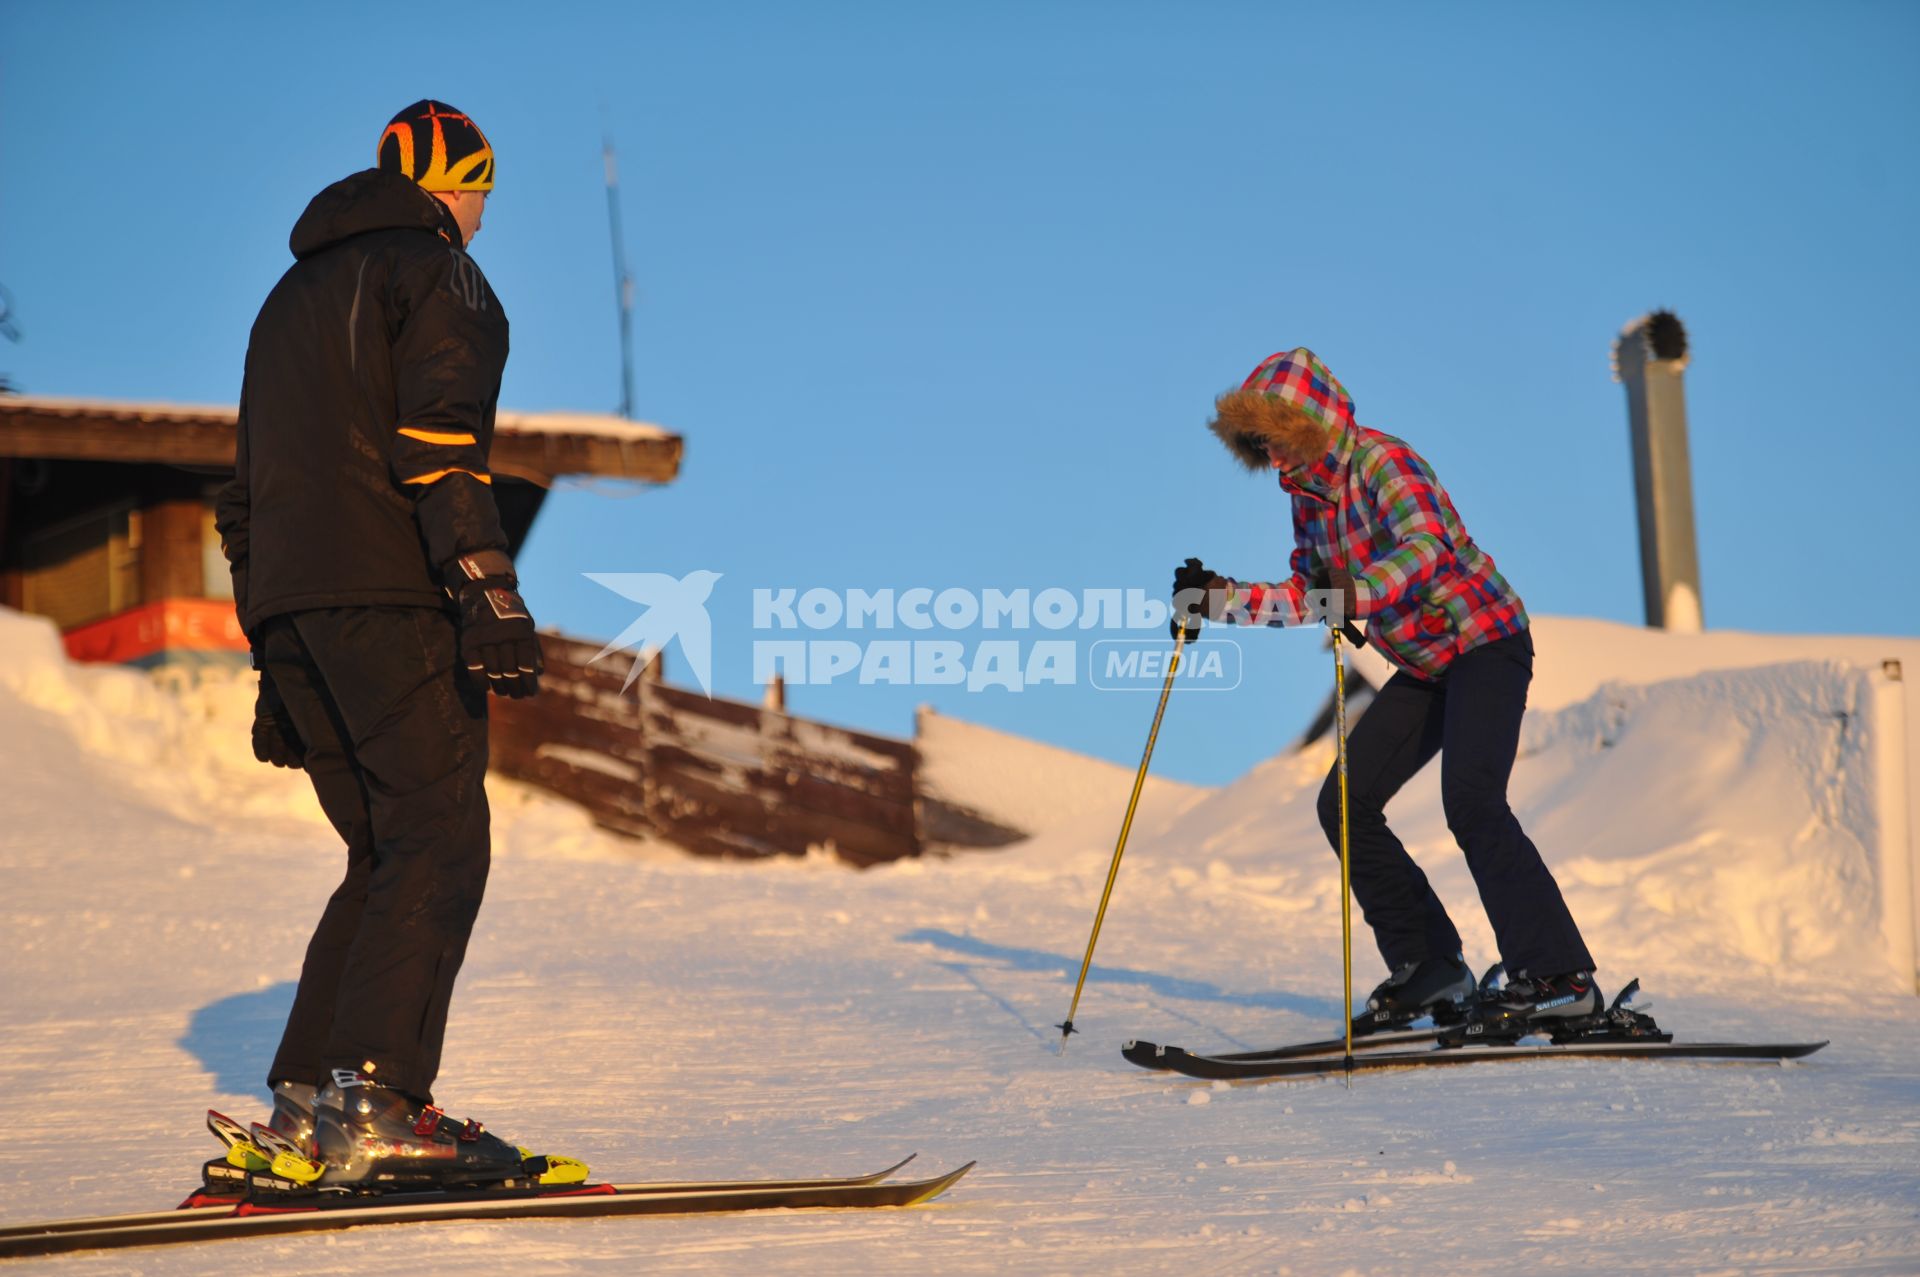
[
  {"x": 172, "y": 558},
  {"x": 27, "y": 432},
  {"x": 78, "y": 431},
  {"x": 540, "y": 453}
]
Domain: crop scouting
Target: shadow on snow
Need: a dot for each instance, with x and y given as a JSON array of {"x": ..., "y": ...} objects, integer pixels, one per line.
[
  {"x": 1154, "y": 981},
  {"x": 235, "y": 1038}
]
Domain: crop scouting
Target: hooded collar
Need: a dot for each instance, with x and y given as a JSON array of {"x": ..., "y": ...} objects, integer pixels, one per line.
[
  {"x": 1323, "y": 480},
  {"x": 1294, "y": 405},
  {"x": 370, "y": 200}
]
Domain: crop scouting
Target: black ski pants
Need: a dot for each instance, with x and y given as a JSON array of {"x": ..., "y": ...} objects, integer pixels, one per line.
[
  {"x": 396, "y": 747},
  {"x": 1470, "y": 716}
]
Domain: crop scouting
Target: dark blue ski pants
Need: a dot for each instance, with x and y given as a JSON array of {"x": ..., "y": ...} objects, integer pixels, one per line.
[{"x": 1470, "y": 716}]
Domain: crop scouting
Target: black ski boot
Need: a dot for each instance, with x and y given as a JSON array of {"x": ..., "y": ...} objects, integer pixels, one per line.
[
  {"x": 1529, "y": 1004},
  {"x": 1438, "y": 987},
  {"x": 371, "y": 1137},
  {"x": 292, "y": 1118}
]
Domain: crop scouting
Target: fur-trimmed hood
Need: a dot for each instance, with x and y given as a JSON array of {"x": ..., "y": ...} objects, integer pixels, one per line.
[{"x": 1291, "y": 401}]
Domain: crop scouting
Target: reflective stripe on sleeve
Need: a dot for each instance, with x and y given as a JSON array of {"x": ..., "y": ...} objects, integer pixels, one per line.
[
  {"x": 441, "y": 474},
  {"x": 438, "y": 436}
]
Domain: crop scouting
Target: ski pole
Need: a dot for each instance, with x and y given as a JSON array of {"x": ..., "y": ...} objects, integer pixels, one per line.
[
  {"x": 1346, "y": 861},
  {"x": 1126, "y": 826}
]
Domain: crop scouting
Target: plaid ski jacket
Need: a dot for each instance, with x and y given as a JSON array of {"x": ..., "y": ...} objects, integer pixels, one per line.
[{"x": 1373, "y": 507}]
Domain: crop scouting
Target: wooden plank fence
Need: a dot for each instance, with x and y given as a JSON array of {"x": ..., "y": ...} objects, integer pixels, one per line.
[{"x": 717, "y": 776}]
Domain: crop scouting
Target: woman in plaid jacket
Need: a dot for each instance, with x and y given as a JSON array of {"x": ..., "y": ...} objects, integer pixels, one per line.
[{"x": 1371, "y": 521}]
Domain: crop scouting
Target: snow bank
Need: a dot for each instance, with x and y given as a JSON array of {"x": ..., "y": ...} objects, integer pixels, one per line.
[
  {"x": 1576, "y": 655},
  {"x": 1729, "y": 817},
  {"x": 1730, "y": 820},
  {"x": 1029, "y": 786},
  {"x": 180, "y": 738}
]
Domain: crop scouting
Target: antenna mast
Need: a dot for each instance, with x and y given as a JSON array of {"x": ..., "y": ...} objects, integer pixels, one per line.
[{"x": 622, "y": 281}]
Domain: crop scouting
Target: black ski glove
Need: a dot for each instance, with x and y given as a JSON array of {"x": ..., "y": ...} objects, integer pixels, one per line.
[
  {"x": 275, "y": 739},
  {"x": 1197, "y": 591},
  {"x": 1341, "y": 580},
  {"x": 497, "y": 637}
]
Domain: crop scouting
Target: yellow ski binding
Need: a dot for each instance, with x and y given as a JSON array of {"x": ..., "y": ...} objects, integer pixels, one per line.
[
  {"x": 551, "y": 1168},
  {"x": 287, "y": 1161},
  {"x": 242, "y": 1153},
  {"x": 246, "y": 1157}
]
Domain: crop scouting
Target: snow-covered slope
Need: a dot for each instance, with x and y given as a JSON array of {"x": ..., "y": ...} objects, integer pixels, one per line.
[
  {"x": 661, "y": 1015},
  {"x": 1576, "y": 656},
  {"x": 1710, "y": 802},
  {"x": 1036, "y": 788},
  {"x": 1722, "y": 823}
]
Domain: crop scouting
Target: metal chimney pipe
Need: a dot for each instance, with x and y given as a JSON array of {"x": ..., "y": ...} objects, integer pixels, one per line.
[{"x": 1650, "y": 359}]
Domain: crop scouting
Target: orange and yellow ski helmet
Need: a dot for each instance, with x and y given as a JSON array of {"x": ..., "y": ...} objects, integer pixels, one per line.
[{"x": 437, "y": 147}]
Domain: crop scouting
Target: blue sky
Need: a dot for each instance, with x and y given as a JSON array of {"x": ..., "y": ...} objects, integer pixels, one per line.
[{"x": 940, "y": 296}]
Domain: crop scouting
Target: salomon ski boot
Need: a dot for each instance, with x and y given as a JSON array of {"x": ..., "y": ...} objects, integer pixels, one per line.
[
  {"x": 1439, "y": 987},
  {"x": 1528, "y": 1005},
  {"x": 369, "y": 1138}
]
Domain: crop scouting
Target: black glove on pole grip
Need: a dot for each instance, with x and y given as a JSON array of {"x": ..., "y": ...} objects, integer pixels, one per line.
[
  {"x": 497, "y": 635},
  {"x": 1188, "y": 577}
]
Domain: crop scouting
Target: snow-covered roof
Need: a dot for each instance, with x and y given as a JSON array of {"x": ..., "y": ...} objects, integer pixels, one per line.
[
  {"x": 579, "y": 423},
  {"x": 129, "y": 409},
  {"x": 537, "y": 446}
]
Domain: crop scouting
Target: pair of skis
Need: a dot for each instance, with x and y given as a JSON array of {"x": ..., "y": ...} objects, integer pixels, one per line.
[
  {"x": 205, "y": 1217},
  {"x": 1297, "y": 1063},
  {"x": 1617, "y": 1033}
]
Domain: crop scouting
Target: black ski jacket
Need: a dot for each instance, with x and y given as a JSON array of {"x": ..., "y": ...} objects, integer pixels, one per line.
[{"x": 366, "y": 413}]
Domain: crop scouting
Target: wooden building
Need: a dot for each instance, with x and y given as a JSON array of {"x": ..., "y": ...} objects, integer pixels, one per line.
[{"x": 106, "y": 513}]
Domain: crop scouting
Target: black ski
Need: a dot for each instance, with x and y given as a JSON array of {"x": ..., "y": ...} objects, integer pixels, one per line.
[
  {"x": 318, "y": 1211},
  {"x": 218, "y": 1201},
  {"x": 1147, "y": 1054},
  {"x": 1218, "y": 1067}
]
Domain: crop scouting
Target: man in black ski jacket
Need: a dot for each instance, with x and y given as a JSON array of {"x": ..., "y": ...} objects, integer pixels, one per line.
[{"x": 372, "y": 579}]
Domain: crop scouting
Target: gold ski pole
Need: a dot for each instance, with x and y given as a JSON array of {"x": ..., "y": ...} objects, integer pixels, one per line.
[
  {"x": 1126, "y": 826},
  {"x": 1346, "y": 863}
]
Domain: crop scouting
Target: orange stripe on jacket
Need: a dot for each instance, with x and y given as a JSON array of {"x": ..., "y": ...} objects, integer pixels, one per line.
[
  {"x": 438, "y": 436},
  {"x": 441, "y": 474}
]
